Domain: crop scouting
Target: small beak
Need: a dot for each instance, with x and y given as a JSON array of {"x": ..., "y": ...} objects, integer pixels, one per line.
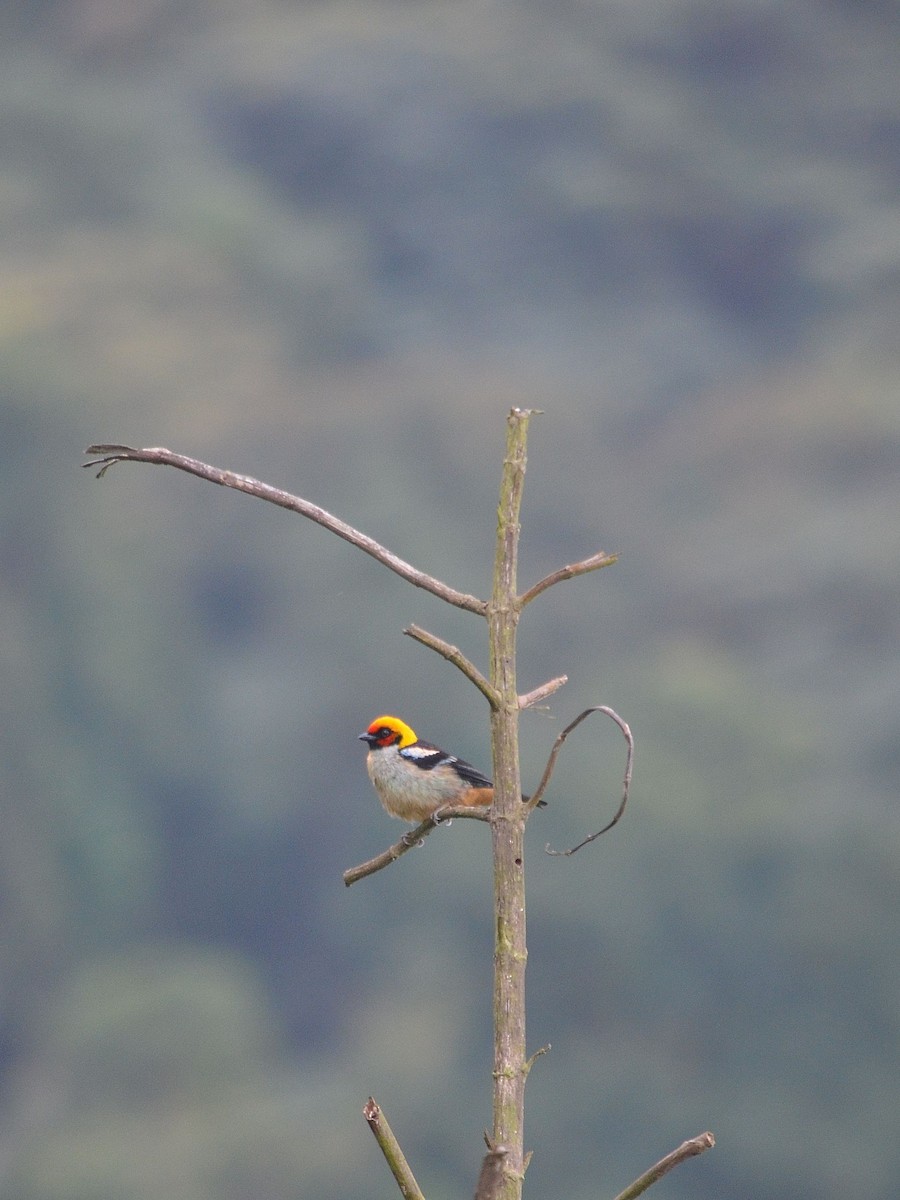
[{"x": 368, "y": 737}]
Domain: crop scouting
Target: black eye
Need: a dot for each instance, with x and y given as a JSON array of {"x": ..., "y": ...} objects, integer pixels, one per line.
[{"x": 384, "y": 732}]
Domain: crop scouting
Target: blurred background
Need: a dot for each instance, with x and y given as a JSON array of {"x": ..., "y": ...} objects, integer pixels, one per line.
[{"x": 329, "y": 244}]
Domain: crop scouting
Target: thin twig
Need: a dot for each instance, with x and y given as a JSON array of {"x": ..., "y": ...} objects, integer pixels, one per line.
[
  {"x": 159, "y": 456},
  {"x": 454, "y": 655},
  {"x": 594, "y": 563},
  {"x": 390, "y": 1148},
  {"x": 688, "y": 1149},
  {"x": 413, "y": 838},
  {"x": 542, "y": 692},
  {"x": 537, "y": 1054},
  {"x": 551, "y": 763}
]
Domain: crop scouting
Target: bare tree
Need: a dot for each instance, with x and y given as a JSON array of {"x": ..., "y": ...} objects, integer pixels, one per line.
[{"x": 503, "y": 1168}]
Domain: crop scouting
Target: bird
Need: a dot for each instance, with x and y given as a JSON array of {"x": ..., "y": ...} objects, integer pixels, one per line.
[{"x": 414, "y": 778}]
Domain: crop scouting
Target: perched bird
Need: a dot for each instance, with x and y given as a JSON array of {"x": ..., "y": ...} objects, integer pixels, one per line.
[{"x": 413, "y": 778}]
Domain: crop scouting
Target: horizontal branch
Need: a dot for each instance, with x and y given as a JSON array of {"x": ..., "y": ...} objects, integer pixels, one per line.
[
  {"x": 159, "y": 456},
  {"x": 688, "y": 1149},
  {"x": 454, "y": 655},
  {"x": 594, "y": 563},
  {"x": 414, "y": 837}
]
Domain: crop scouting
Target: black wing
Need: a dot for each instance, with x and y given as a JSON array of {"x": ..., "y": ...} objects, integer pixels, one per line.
[{"x": 469, "y": 773}]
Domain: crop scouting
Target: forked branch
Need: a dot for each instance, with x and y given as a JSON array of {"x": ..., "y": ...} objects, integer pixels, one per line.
[{"x": 504, "y": 1167}]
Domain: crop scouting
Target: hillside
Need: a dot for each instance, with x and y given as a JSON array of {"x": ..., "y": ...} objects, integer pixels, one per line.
[{"x": 328, "y": 245}]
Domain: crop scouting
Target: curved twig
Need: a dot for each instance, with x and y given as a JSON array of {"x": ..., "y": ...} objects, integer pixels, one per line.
[
  {"x": 454, "y": 655},
  {"x": 413, "y": 838},
  {"x": 159, "y": 456},
  {"x": 537, "y": 1054},
  {"x": 594, "y": 563},
  {"x": 551, "y": 763},
  {"x": 688, "y": 1149}
]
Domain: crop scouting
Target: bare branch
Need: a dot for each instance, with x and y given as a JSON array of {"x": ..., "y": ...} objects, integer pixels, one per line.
[
  {"x": 594, "y": 563},
  {"x": 455, "y": 656},
  {"x": 688, "y": 1149},
  {"x": 626, "y": 783},
  {"x": 551, "y": 763},
  {"x": 508, "y": 816},
  {"x": 542, "y": 692},
  {"x": 537, "y": 1054},
  {"x": 415, "y": 837},
  {"x": 390, "y": 1148},
  {"x": 159, "y": 456}
]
